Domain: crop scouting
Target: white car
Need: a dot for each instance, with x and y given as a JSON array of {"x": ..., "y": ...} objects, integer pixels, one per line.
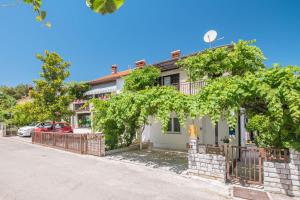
[{"x": 26, "y": 130}]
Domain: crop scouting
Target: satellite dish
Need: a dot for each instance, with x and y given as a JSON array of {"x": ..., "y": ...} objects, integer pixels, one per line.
[{"x": 210, "y": 36}]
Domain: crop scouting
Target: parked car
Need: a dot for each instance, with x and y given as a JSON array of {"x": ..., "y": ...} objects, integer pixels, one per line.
[
  {"x": 59, "y": 127},
  {"x": 27, "y": 130}
]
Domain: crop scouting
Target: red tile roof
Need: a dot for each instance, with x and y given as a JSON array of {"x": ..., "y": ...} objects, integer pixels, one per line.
[
  {"x": 163, "y": 65},
  {"x": 109, "y": 78}
]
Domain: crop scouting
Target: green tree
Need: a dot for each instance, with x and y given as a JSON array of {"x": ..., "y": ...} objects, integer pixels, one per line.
[
  {"x": 51, "y": 98},
  {"x": 235, "y": 59},
  {"x": 270, "y": 97},
  {"x": 24, "y": 114},
  {"x": 77, "y": 89},
  {"x": 140, "y": 79},
  {"x": 17, "y": 92},
  {"x": 6, "y": 104}
]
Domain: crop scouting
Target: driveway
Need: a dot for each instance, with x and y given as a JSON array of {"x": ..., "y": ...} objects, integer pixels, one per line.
[
  {"x": 173, "y": 161},
  {"x": 32, "y": 172}
]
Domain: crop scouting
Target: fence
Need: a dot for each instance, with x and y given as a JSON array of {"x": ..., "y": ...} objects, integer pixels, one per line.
[
  {"x": 189, "y": 88},
  {"x": 8, "y": 130},
  {"x": 244, "y": 164},
  {"x": 91, "y": 144}
]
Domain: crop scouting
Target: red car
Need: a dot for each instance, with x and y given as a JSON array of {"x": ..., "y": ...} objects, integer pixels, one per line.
[{"x": 59, "y": 127}]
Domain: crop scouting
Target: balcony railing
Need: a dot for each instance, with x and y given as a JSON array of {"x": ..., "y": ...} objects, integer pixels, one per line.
[
  {"x": 80, "y": 106},
  {"x": 190, "y": 87}
]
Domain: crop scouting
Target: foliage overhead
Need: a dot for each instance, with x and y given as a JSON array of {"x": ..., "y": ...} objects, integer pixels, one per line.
[
  {"x": 51, "y": 98},
  {"x": 99, "y": 6},
  {"x": 270, "y": 97},
  {"x": 235, "y": 59},
  {"x": 104, "y": 6},
  {"x": 41, "y": 14},
  {"x": 140, "y": 79}
]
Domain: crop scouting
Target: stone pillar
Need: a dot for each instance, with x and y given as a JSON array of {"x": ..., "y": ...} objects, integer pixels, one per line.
[
  {"x": 200, "y": 163},
  {"x": 102, "y": 145},
  {"x": 283, "y": 177},
  {"x": 294, "y": 175},
  {"x": 193, "y": 146},
  {"x": 192, "y": 154}
]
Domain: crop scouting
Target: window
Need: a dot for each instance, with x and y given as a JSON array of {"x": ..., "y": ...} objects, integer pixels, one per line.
[
  {"x": 84, "y": 120},
  {"x": 45, "y": 125},
  {"x": 59, "y": 126},
  {"x": 170, "y": 80},
  {"x": 167, "y": 80},
  {"x": 173, "y": 126}
]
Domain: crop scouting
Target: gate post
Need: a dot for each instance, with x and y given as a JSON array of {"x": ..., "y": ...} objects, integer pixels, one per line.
[
  {"x": 262, "y": 154},
  {"x": 81, "y": 146},
  {"x": 193, "y": 150}
]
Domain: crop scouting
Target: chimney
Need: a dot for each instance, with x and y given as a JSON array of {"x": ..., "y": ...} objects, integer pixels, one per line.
[
  {"x": 140, "y": 64},
  {"x": 175, "y": 54},
  {"x": 114, "y": 69}
]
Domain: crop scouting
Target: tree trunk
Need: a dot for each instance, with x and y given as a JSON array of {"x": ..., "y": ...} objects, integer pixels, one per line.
[{"x": 141, "y": 130}]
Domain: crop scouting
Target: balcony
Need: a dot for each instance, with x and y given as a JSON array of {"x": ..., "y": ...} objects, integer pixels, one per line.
[
  {"x": 189, "y": 88},
  {"x": 79, "y": 106}
]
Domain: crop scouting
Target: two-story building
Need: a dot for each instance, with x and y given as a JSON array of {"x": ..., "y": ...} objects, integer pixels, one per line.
[
  {"x": 177, "y": 136},
  {"x": 101, "y": 88}
]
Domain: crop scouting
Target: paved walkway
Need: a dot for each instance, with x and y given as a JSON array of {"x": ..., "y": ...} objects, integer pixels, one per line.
[
  {"x": 32, "y": 172},
  {"x": 172, "y": 161}
]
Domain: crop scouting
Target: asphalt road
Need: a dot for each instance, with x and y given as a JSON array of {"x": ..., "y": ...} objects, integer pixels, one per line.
[{"x": 32, "y": 172}]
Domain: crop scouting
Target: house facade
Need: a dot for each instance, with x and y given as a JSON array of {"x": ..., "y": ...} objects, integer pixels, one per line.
[
  {"x": 101, "y": 88},
  {"x": 177, "y": 136}
]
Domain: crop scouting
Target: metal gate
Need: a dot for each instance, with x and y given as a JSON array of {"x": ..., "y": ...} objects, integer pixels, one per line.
[{"x": 244, "y": 164}]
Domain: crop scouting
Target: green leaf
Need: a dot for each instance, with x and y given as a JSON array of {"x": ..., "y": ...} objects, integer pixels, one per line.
[
  {"x": 104, "y": 6},
  {"x": 48, "y": 24}
]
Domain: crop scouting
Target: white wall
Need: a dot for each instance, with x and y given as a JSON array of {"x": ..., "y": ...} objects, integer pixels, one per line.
[
  {"x": 102, "y": 88},
  {"x": 160, "y": 139},
  {"x": 82, "y": 130},
  {"x": 120, "y": 83},
  {"x": 207, "y": 134},
  {"x": 104, "y": 85},
  {"x": 204, "y": 127}
]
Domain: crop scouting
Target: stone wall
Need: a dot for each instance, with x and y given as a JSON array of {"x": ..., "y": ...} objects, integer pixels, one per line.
[
  {"x": 284, "y": 178},
  {"x": 205, "y": 165}
]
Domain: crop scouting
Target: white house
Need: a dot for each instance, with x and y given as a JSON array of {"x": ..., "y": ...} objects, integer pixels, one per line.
[{"x": 177, "y": 136}]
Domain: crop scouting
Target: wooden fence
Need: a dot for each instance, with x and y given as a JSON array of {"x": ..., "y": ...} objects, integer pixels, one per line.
[{"x": 91, "y": 144}]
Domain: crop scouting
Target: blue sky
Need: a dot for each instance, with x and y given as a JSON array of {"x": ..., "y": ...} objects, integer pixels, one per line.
[{"x": 141, "y": 29}]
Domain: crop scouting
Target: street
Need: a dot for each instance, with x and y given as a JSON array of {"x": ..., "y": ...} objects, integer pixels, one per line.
[{"x": 33, "y": 172}]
